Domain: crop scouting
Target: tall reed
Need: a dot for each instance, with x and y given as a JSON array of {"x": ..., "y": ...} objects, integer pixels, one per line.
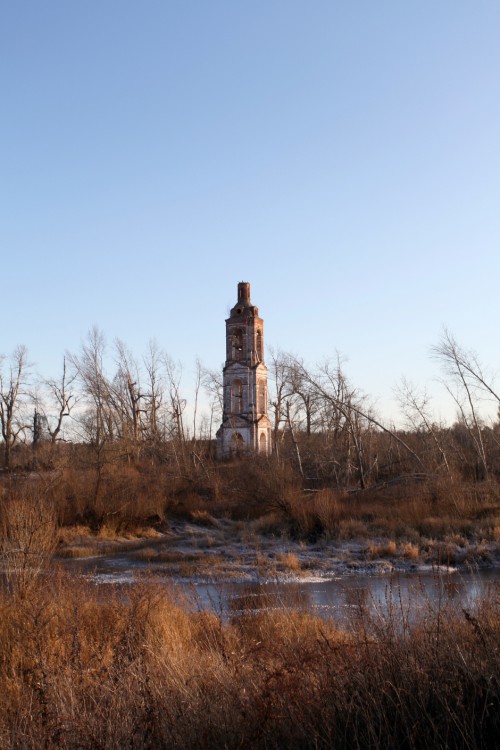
[{"x": 85, "y": 667}]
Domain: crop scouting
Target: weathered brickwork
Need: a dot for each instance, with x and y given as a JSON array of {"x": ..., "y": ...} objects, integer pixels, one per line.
[{"x": 245, "y": 427}]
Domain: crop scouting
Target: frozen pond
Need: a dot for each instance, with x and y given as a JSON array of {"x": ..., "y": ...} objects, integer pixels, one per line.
[
  {"x": 340, "y": 596},
  {"x": 348, "y": 594}
]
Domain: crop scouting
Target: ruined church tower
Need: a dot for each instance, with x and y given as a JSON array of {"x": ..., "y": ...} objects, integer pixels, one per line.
[{"x": 245, "y": 427}]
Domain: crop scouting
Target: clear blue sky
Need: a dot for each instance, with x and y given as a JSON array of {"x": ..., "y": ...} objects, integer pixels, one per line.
[{"x": 343, "y": 157}]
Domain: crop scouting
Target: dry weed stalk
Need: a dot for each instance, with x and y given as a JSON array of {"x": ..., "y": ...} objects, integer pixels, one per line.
[{"x": 28, "y": 538}]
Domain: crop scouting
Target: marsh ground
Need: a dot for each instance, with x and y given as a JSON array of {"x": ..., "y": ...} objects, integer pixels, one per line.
[{"x": 205, "y": 548}]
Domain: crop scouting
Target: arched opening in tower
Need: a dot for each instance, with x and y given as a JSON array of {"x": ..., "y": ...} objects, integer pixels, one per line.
[
  {"x": 237, "y": 397},
  {"x": 262, "y": 398},
  {"x": 238, "y": 344},
  {"x": 259, "y": 345},
  {"x": 262, "y": 443},
  {"x": 237, "y": 444}
]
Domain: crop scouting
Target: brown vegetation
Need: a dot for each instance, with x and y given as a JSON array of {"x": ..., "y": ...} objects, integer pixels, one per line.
[
  {"x": 440, "y": 520},
  {"x": 27, "y": 540},
  {"x": 87, "y": 668}
]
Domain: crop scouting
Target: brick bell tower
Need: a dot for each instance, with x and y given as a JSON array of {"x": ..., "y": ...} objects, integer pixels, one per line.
[{"x": 245, "y": 427}]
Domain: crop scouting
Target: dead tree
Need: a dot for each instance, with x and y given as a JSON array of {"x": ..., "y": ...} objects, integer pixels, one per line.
[
  {"x": 280, "y": 378},
  {"x": 127, "y": 400},
  {"x": 469, "y": 382},
  {"x": 89, "y": 367},
  {"x": 99, "y": 420},
  {"x": 11, "y": 393},
  {"x": 306, "y": 395},
  {"x": 416, "y": 409},
  {"x": 348, "y": 411},
  {"x": 214, "y": 388},
  {"x": 63, "y": 398},
  {"x": 177, "y": 405},
  {"x": 154, "y": 396}
]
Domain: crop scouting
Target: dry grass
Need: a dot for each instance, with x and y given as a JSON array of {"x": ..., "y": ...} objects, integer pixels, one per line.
[
  {"x": 289, "y": 561},
  {"x": 352, "y": 528},
  {"x": 28, "y": 537},
  {"x": 386, "y": 549},
  {"x": 80, "y": 670},
  {"x": 78, "y": 551},
  {"x": 204, "y": 518},
  {"x": 443, "y": 522},
  {"x": 440, "y": 522},
  {"x": 267, "y": 494},
  {"x": 435, "y": 510},
  {"x": 107, "y": 531},
  {"x": 146, "y": 554},
  {"x": 410, "y": 551},
  {"x": 74, "y": 534}
]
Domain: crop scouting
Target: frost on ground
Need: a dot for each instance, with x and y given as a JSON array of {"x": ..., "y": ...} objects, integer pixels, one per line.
[{"x": 207, "y": 549}]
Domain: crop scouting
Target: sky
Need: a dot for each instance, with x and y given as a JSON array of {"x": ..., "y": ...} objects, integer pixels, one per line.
[{"x": 342, "y": 157}]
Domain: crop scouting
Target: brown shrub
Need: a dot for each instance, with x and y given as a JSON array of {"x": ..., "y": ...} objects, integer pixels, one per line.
[
  {"x": 410, "y": 551},
  {"x": 289, "y": 561},
  {"x": 269, "y": 494}
]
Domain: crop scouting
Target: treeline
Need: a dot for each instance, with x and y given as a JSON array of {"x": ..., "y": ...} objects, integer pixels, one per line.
[
  {"x": 106, "y": 407},
  {"x": 101, "y": 398}
]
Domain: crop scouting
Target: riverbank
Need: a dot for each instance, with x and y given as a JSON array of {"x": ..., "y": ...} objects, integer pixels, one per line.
[{"x": 207, "y": 548}]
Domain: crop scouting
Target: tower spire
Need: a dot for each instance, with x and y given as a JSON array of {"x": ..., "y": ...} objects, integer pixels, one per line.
[
  {"x": 245, "y": 424},
  {"x": 244, "y": 293}
]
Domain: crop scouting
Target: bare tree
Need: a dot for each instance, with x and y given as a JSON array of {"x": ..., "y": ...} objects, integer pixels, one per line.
[
  {"x": 213, "y": 386},
  {"x": 306, "y": 394},
  {"x": 197, "y": 385},
  {"x": 343, "y": 405},
  {"x": 89, "y": 366},
  {"x": 464, "y": 365},
  {"x": 63, "y": 398},
  {"x": 12, "y": 385},
  {"x": 154, "y": 393},
  {"x": 99, "y": 421},
  {"x": 415, "y": 406},
  {"x": 290, "y": 423},
  {"x": 347, "y": 413},
  {"x": 177, "y": 405},
  {"x": 469, "y": 380},
  {"x": 280, "y": 363},
  {"x": 127, "y": 398}
]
